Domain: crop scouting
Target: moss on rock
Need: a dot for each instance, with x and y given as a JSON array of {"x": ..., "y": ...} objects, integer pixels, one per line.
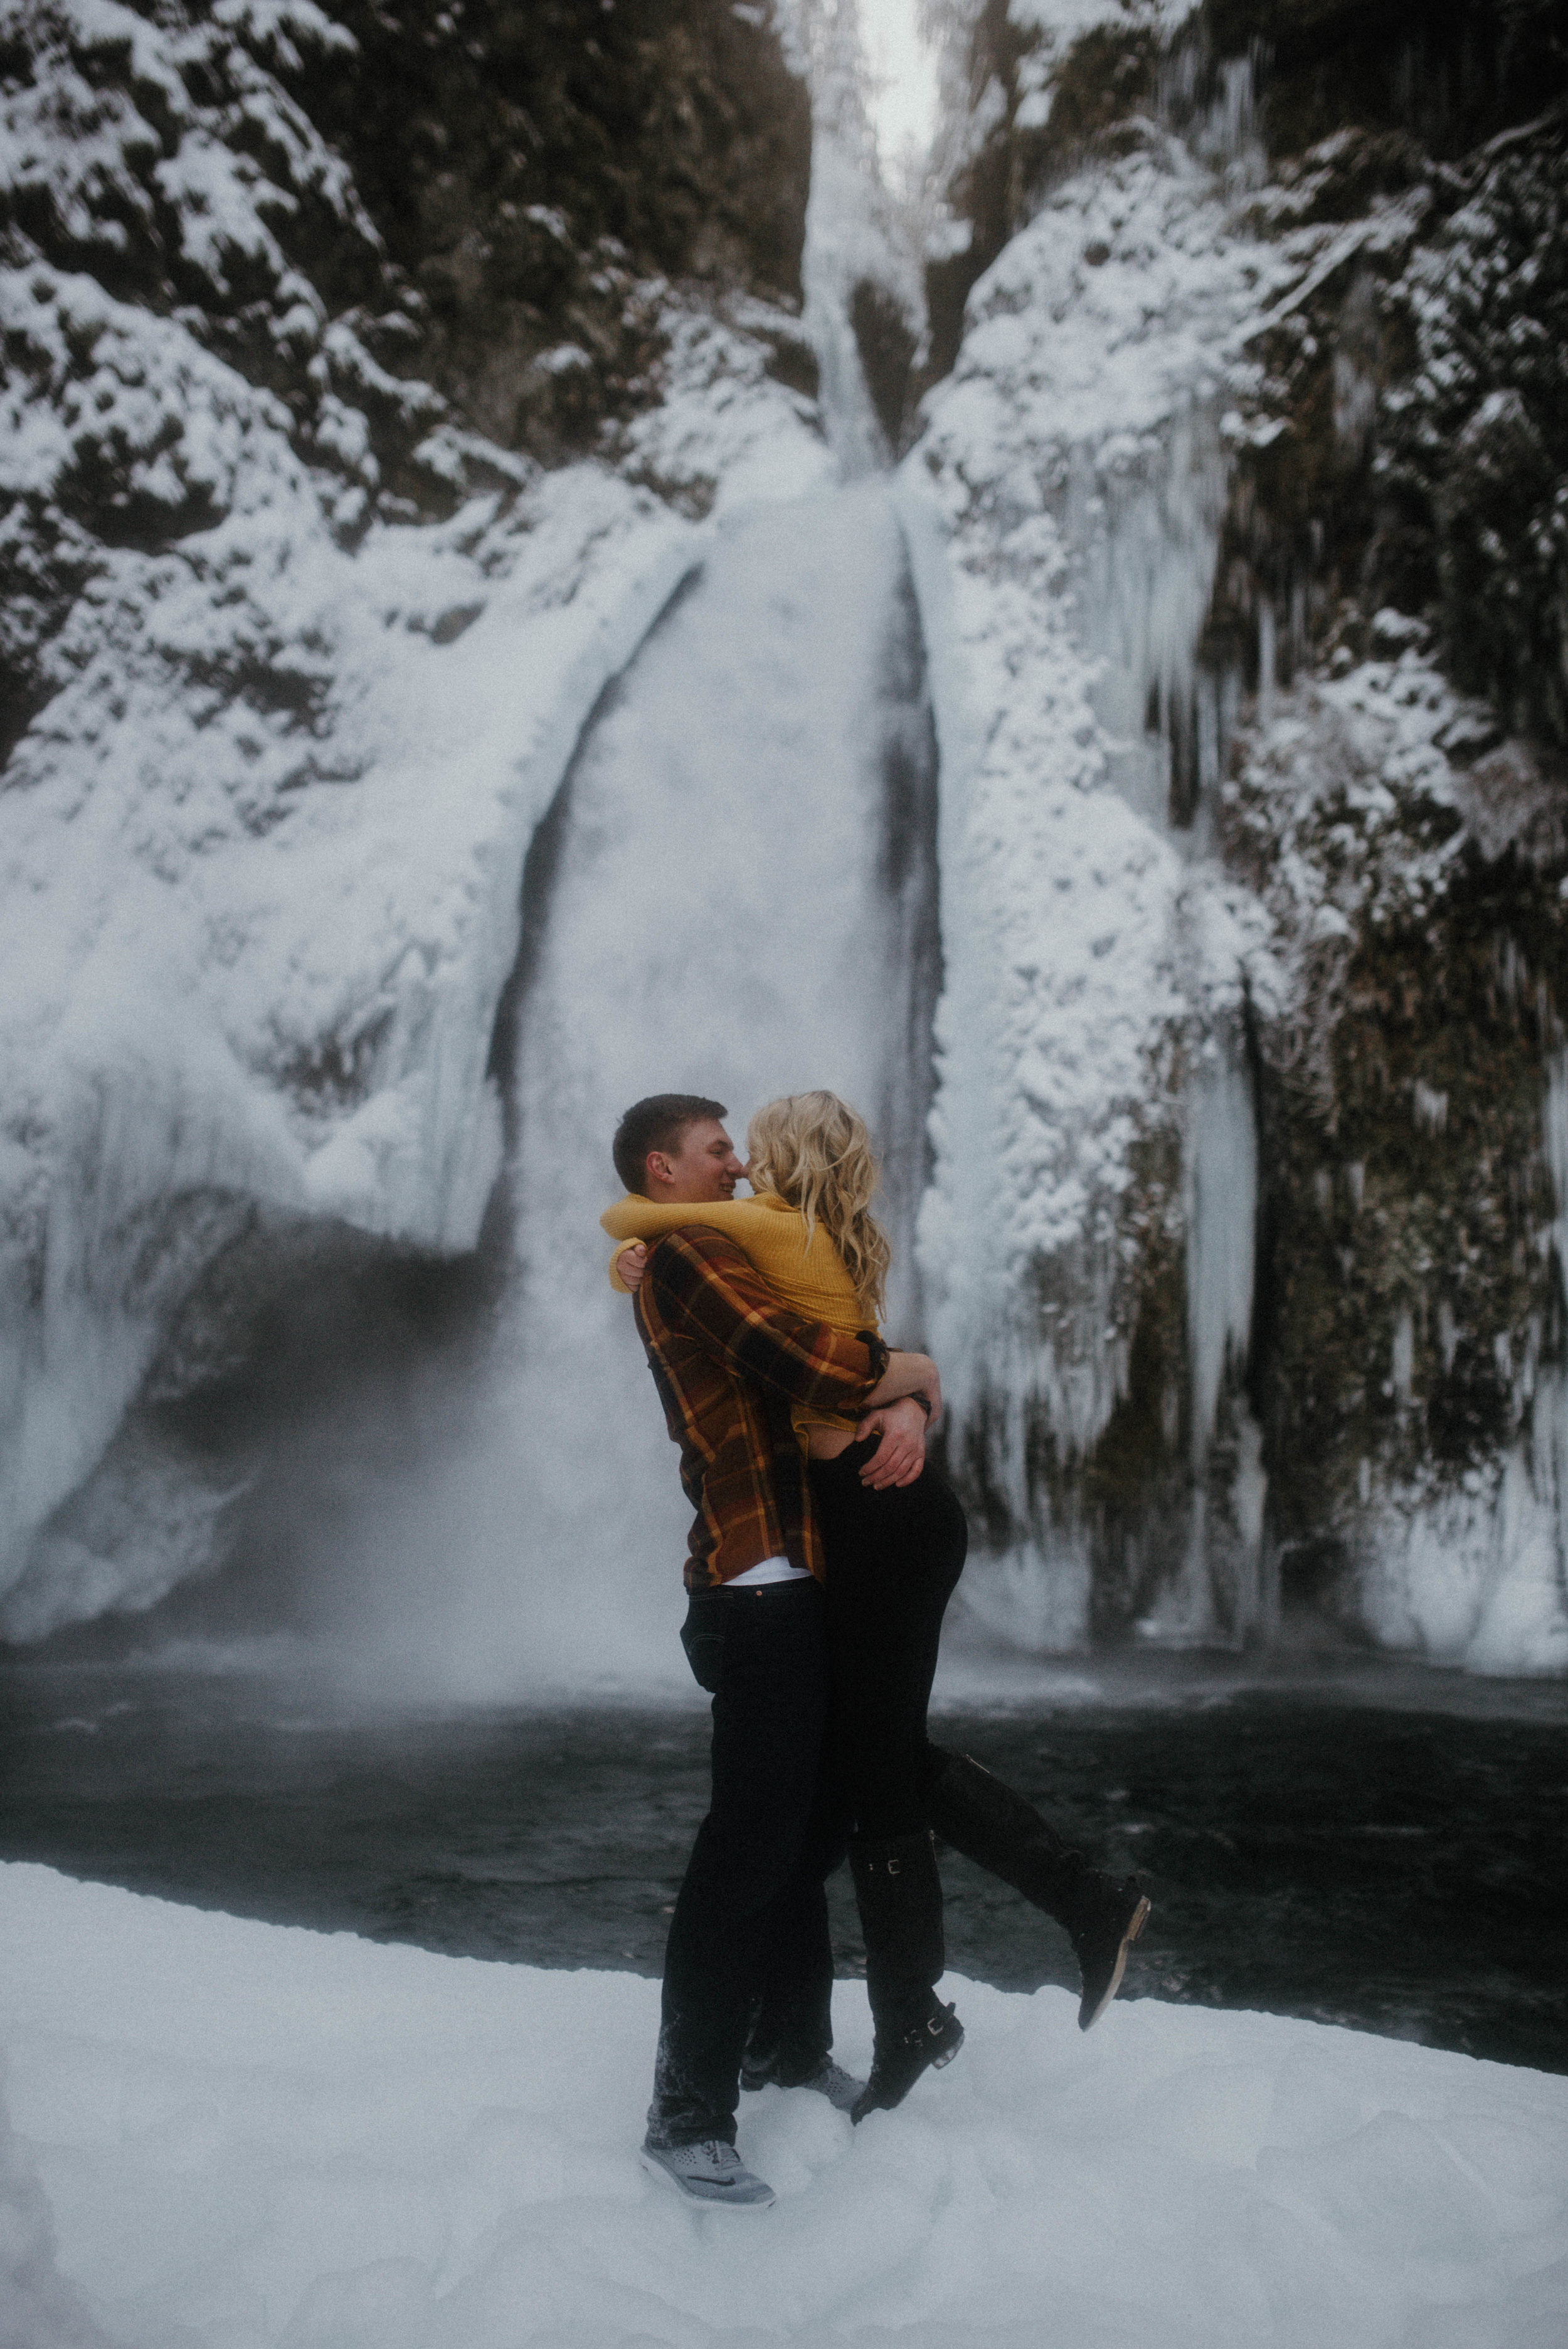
[{"x": 1405, "y": 1299}]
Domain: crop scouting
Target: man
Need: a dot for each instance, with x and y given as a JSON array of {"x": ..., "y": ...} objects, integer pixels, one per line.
[{"x": 749, "y": 1955}]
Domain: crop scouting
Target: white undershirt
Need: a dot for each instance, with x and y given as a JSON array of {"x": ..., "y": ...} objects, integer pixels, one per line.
[{"x": 772, "y": 1569}]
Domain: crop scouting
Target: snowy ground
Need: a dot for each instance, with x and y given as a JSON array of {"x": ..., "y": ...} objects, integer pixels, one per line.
[{"x": 246, "y": 2135}]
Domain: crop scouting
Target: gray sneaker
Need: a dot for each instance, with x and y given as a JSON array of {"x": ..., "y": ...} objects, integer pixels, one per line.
[
  {"x": 829, "y": 2079},
  {"x": 710, "y": 2172}
]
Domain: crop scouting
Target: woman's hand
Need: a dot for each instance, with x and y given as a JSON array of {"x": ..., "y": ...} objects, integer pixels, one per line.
[
  {"x": 899, "y": 1457},
  {"x": 632, "y": 1263}
]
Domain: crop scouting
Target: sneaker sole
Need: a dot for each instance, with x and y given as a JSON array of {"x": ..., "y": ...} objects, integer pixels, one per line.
[
  {"x": 700, "y": 2201},
  {"x": 1138, "y": 1919}
]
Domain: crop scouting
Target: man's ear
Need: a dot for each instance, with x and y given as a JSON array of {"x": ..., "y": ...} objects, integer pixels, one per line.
[{"x": 656, "y": 1167}]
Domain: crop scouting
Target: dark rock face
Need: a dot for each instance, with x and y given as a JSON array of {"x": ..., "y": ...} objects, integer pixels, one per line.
[
  {"x": 531, "y": 165},
  {"x": 1480, "y": 446},
  {"x": 1447, "y": 73},
  {"x": 95, "y": 192},
  {"x": 1423, "y": 387},
  {"x": 1406, "y": 1306},
  {"x": 886, "y": 342}
]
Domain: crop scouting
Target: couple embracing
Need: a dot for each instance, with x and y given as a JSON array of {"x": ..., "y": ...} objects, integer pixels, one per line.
[{"x": 822, "y": 1554}]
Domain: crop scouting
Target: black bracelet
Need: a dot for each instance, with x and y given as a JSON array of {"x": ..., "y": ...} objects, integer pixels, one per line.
[{"x": 923, "y": 1400}]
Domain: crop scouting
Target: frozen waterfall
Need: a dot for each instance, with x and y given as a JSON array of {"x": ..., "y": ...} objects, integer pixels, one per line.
[{"x": 733, "y": 895}]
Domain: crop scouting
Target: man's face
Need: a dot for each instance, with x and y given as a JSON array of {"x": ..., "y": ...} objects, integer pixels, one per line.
[{"x": 703, "y": 1166}]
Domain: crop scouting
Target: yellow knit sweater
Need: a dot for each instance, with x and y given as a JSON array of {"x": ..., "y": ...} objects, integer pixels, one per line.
[{"x": 810, "y": 1277}]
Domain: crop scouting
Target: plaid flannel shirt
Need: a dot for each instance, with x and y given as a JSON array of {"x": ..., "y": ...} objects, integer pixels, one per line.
[{"x": 728, "y": 1361}]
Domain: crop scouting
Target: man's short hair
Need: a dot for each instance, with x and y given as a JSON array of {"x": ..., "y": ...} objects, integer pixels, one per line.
[{"x": 657, "y": 1123}]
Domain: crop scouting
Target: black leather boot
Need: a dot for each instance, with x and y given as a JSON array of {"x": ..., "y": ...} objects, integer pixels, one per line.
[
  {"x": 900, "y": 1896},
  {"x": 1112, "y": 1911},
  {"x": 1002, "y": 1833}
]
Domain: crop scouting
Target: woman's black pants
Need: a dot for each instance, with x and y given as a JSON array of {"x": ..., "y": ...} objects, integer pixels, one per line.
[{"x": 893, "y": 1559}]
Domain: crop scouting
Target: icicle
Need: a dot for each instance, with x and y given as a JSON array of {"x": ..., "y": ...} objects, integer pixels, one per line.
[
  {"x": 1149, "y": 526},
  {"x": 1268, "y": 661},
  {"x": 1523, "y": 1620},
  {"x": 1228, "y": 134},
  {"x": 1220, "y": 1213},
  {"x": 1221, "y": 1193},
  {"x": 1555, "y": 1125}
]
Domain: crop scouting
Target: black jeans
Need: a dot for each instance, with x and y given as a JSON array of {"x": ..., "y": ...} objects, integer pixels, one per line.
[
  {"x": 749, "y": 1951},
  {"x": 893, "y": 1559}
]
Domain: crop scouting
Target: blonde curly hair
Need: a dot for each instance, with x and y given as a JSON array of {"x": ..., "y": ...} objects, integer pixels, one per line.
[{"x": 815, "y": 1152}]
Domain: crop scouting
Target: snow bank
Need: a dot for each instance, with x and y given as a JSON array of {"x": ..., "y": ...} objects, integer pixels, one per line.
[
  {"x": 1063, "y": 504},
  {"x": 249, "y": 2134}
]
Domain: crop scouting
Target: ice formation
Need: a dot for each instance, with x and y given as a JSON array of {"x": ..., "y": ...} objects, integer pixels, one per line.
[
  {"x": 259, "y": 976},
  {"x": 1074, "y": 465},
  {"x": 230, "y": 2134}
]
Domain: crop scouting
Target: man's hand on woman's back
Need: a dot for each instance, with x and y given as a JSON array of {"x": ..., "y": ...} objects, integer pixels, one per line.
[{"x": 899, "y": 1457}]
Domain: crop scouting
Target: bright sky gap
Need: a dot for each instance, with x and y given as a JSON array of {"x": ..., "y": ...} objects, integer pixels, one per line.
[{"x": 904, "y": 78}]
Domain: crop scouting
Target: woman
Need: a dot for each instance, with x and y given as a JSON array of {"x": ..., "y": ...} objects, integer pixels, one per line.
[{"x": 894, "y": 1558}]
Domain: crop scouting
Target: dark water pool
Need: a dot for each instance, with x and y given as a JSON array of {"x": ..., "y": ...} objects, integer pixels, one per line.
[{"x": 1368, "y": 1848}]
